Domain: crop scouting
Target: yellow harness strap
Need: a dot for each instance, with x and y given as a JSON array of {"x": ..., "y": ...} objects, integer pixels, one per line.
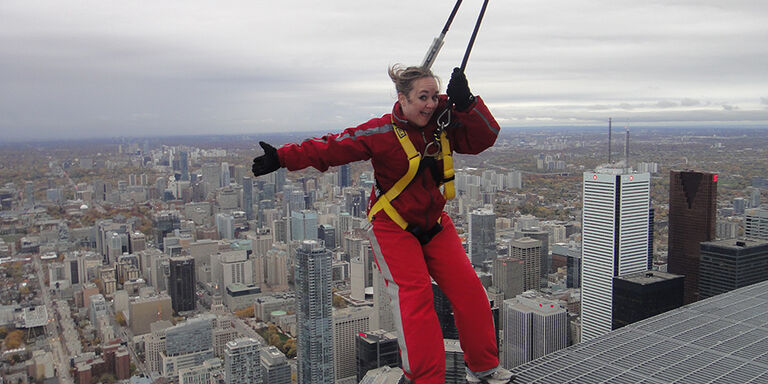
[
  {"x": 414, "y": 159},
  {"x": 449, "y": 192}
]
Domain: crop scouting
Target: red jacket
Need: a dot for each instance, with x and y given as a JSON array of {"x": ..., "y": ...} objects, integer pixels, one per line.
[{"x": 421, "y": 202}]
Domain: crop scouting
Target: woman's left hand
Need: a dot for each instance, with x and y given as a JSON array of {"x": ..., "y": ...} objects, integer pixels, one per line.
[{"x": 458, "y": 90}]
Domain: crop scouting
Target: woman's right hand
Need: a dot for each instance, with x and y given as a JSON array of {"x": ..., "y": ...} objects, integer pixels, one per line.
[{"x": 266, "y": 163}]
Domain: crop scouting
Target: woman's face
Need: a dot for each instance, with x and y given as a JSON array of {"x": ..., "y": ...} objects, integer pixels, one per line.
[{"x": 421, "y": 102}]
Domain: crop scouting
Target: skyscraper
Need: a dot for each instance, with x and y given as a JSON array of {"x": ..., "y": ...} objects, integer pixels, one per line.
[
  {"x": 641, "y": 295},
  {"x": 242, "y": 361},
  {"x": 225, "y": 225},
  {"x": 382, "y": 317},
  {"x": 184, "y": 165},
  {"x": 248, "y": 197},
  {"x": 537, "y": 233},
  {"x": 225, "y": 175},
  {"x": 347, "y": 323},
  {"x": 303, "y": 225},
  {"x": 274, "y": 366},
  {"x": 482, "y": 236},
  {"x": 313, "y": 314},
  {"x": 344, "y": 176},
  {"x": 534, "y": 326},
  {"x": 692, "y": 220},
  {"x": 508, "y": 276},
  {"x": 327, "y": 233},
  {"x": 181, "y": 284},
  {"x": 730, "y": 264},
  {"x": 187, "y": 344},
  {"x": 376, "y": 349},
  {"x": 444, "y": 312},
  {"x": 614, "y": 240},
  {"x": 756, "y": 224},
  {"x": 211, "y": 177},
  {"x": 529, "y": 251},
  {"x": 455, "y": 368},
  {"x": 163, "y": 223}
]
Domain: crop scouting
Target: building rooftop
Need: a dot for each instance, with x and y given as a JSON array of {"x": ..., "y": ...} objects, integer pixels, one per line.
[
  {"x": 736, "y": 243},
  {"x": 649, "y": 277},
  {"x": 723, "y": 339}
]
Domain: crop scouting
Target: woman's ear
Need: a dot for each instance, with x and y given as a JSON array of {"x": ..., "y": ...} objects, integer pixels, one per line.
[{"x": 401, "y": 98}]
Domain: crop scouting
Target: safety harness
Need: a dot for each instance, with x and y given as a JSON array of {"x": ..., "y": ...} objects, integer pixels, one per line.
[{"x": 384, "y": 201}]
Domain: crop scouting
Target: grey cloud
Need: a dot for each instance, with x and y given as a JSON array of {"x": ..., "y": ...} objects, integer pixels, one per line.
[
  {"x": 666, "y": 104},
  {"x": 248, "y": 66},
  {"x": 727, "y": 107},
  {"x": 689, "y": 102}
]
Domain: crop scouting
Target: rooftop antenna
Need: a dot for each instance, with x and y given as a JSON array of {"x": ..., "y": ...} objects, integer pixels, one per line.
[{"x": 609, "y": 140}]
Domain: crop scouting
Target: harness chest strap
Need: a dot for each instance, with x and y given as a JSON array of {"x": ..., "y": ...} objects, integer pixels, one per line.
[{"x": 414, "y": 159}]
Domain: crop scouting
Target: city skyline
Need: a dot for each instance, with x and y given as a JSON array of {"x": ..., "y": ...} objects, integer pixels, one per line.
[
  {"x": 106, "y": 211},
  {"x": 246, "y": 68}
]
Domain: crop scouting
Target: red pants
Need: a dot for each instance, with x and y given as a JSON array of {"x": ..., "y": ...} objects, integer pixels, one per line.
[{"x": 407, "y": 267}]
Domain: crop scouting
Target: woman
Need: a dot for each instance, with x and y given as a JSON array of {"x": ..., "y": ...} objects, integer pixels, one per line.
[{"x": 412, "y": 238}]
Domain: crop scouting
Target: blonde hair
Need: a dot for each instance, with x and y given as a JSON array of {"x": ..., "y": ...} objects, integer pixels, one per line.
[{"x": 403, "y": 77}]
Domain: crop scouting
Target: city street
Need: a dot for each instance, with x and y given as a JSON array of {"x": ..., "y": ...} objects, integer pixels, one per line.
[{"x": 60, "y": 359}]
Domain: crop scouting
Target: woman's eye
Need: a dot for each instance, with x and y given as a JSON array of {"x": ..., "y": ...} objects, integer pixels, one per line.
[{"x": 422, "y": 98}]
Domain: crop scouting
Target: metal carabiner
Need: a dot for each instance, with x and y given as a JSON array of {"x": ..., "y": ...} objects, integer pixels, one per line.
[
  {"x": 444, "y": 120},
  {"x": 434, "y": 154}
]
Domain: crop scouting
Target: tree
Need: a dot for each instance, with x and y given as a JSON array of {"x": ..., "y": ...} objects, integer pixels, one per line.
[
  {"x": 245, "y": 312},
  {"x": 339, "y": 302},
  {"x": 289, "y": 348},
  {"x": 14, "y": 339},
  {"x": 120, "y": 318},
  {"x": 275, "y": 340}
]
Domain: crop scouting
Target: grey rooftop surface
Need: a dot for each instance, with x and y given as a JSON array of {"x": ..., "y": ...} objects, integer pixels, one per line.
[{"x": 722, "y": 339}]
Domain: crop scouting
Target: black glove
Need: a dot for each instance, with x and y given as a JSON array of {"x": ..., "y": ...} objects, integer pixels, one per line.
[
  {"x": 266, "y": 163},
  {"x": 458, "y": 90}
]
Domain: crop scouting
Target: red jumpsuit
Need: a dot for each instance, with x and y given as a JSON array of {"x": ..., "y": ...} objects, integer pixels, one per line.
[{"x": 405, "y": 263}]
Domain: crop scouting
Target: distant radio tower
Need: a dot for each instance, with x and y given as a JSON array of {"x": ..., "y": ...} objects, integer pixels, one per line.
[
  {"x": 609, "y": 140},
  {"x": 626, "y": 147}
]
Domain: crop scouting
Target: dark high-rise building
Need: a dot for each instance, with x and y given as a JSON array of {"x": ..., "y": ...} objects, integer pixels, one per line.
[
  {"x": 444, "y": 312},
  {"x": 692, "y": 219},
  {"x": 181, "y": 284},
  {"x": 327, "y": 233},
  {"x": 651, "y": 214},
  {"x": 642, "y": 295},
  {"x": 184, "y": 165},
  {"x": 344, "y": 176},
  {"x": 375, "y": 349},
  {"x": 163, "y": 223},
  {"x": 248, "y": 197},
  {"x": 730, "y": 264}
]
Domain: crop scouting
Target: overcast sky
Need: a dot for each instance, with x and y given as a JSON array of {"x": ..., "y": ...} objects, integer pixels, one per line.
[{"x": 131, "y": 68}]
